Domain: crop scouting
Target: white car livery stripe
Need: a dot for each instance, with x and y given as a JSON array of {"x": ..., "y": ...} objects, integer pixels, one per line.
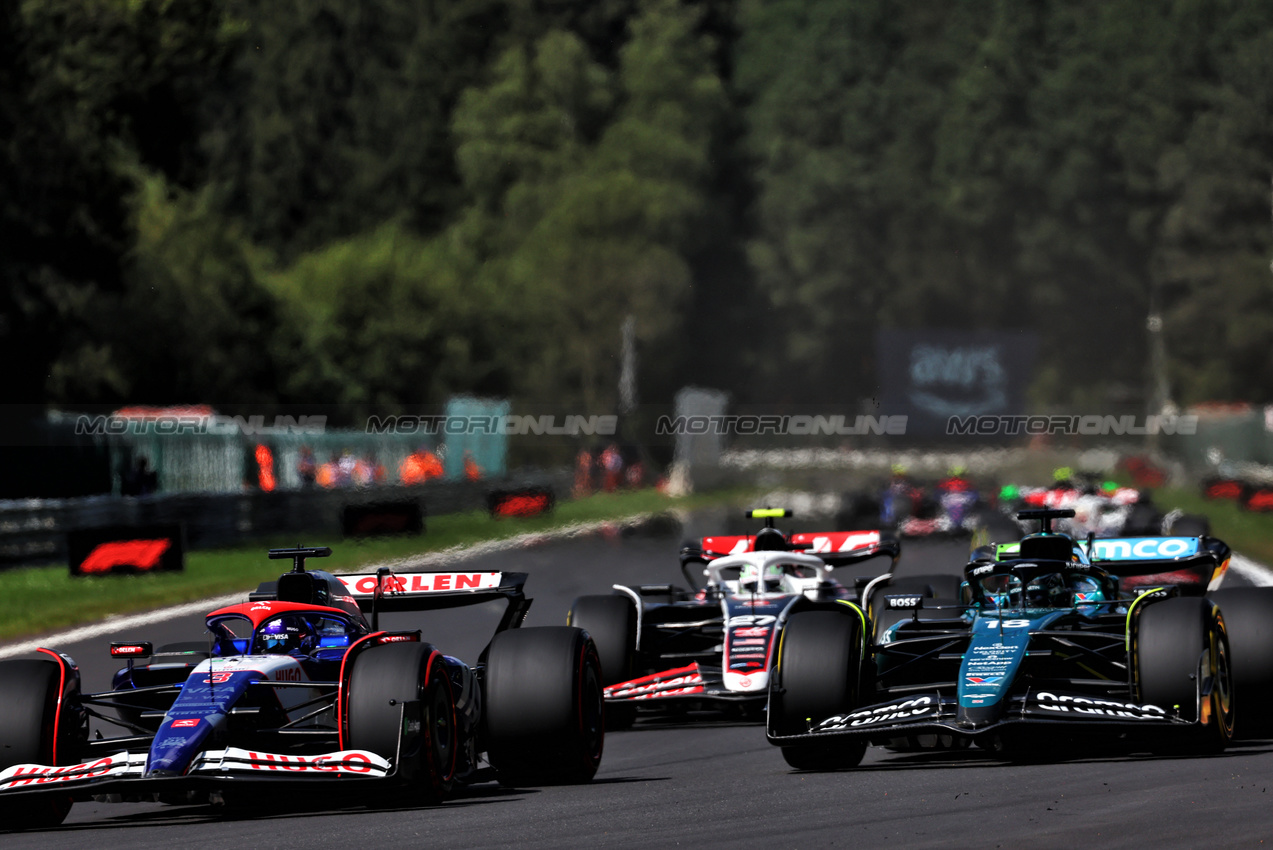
[
  {"x": 345, "y": 762},
  {"x": 25, "y": 776}
]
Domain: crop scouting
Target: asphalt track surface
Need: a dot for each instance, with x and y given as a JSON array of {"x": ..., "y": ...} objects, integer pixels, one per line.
[{"x": 713, "y": 782}]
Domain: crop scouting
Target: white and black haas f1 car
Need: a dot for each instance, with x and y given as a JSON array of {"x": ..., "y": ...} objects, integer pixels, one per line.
[
  {"x": 1055, "y": 644},
  {"x": 669, "y": 648},
  {"x": 296, "y": 691}
]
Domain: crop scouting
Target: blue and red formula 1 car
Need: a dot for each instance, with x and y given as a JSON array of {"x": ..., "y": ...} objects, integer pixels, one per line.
[{"x": 297, "y": 690}]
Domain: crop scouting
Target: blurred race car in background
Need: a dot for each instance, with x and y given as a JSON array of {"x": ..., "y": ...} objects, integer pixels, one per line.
[
  {"x": 1100, "y": 506},
  {"x": 1055, "y": 645},
  {"x": 297, "y": 691},
  {"x": 710, "y": 645},
  {"x": 952, "y": 506}
]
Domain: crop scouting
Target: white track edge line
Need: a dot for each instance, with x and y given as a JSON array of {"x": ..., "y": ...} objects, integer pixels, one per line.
[
  {"x": 451, "y": 555},
  {"x": 1261, "y": 575}
]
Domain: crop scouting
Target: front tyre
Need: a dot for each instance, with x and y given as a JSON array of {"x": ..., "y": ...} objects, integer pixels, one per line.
[
  {"x": 28, "y": 714},
  {"x": 818, "y": 675},
  {"x": 385, "y": 677},
  {"x": 1182, "y": 650},
  {"x": 545, "y": 716},
  {"x": 1248, "y": 622}
]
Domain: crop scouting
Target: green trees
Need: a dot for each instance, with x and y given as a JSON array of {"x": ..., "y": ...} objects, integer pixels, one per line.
[
  {"x": 382, "y": 203},
  {"x": 1041, "y": 166},
  {"x": 588, "y": 185},
  {"x": 582, "y": 189}
]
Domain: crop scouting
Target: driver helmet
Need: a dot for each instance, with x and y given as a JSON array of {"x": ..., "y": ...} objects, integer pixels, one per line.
[
  {"x": 1049, "y": 591},
  {"x": 1002, "y": 591},
  {"x": 757, "y": 579},
  {"x": 1086, "y": 589},
  {"x": 284, "y": 635}
]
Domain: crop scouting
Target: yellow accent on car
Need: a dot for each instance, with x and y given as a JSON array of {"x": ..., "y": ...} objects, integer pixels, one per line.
[{"x": 862, "y": 617}]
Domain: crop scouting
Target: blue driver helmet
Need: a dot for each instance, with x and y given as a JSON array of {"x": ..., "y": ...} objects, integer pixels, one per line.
[{"x": 283, "y": 635}]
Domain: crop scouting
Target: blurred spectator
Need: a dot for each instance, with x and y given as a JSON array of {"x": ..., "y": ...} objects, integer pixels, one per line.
[
  {"x": 419, "y": 466},
  {"x": 634, "y": 475},
  {"x": 583, "y": 473},
  {"x": 329, "y": 473},
  {"x": 345, "y": 469},
  {"x": 368, "y": 471},
  {"x": 141, "y": 480},
  {"x": 472, "y": 471},
  {"x": 612, "y": 467},
  {"x": 264, "y": 467},
  {"x": 307, "y": 467}
]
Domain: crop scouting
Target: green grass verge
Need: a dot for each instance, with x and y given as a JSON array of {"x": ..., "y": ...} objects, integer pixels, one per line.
[
  {"x": 36, "y": 600},
  {"x": 1246, "y": 532}
]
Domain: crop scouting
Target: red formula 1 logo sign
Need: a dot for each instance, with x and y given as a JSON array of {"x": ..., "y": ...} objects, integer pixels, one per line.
[
  {"x": 125, "y": 549},
  {"x": 141, "y": 555}
]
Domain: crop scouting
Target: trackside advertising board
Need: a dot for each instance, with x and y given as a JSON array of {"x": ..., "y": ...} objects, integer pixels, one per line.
[
  {"x": 379, "y": 518},
  {"x": 126, "y": 549},
  {"x": 933, "y": 375},
  {"x": 524, "y": 502}
]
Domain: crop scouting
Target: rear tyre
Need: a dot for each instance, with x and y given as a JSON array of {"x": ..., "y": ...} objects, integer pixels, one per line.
[
  {"x": 28, "y": 711},
  {"x": 544, "y": 706},
  {"x": 611, "y": 621},
  {"x": 818, "y": 675},
  {"x": 1180, "y": 645},
  {"x": 382, "y": 679},
  {"x": 1248, "y": 621}
]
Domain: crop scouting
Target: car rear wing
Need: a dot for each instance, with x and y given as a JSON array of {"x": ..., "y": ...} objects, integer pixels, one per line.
[
  {"x": 1189, "y": 562},
  {"x": 426, "y": 591},
  {"x": 837, "y": 548},
  {"x": 384, "y": 591}
]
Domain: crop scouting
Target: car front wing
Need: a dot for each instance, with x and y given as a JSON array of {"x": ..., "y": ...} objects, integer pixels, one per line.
[
  {"x": 929, "y": 713},
  {"x": 125, "y": 772}
]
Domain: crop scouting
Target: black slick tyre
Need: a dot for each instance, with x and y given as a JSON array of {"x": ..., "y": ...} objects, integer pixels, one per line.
[
  {"x": 611, "y": 622},
  {"x": 817, "y": 676},
  {"x": 1181, "y": 645},
  {"x": 28, "y": 711},
  {"x": 544, "y": 711},
  {"x": 1248, "y": 621},
  {"x": 383, "y": 678}
]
